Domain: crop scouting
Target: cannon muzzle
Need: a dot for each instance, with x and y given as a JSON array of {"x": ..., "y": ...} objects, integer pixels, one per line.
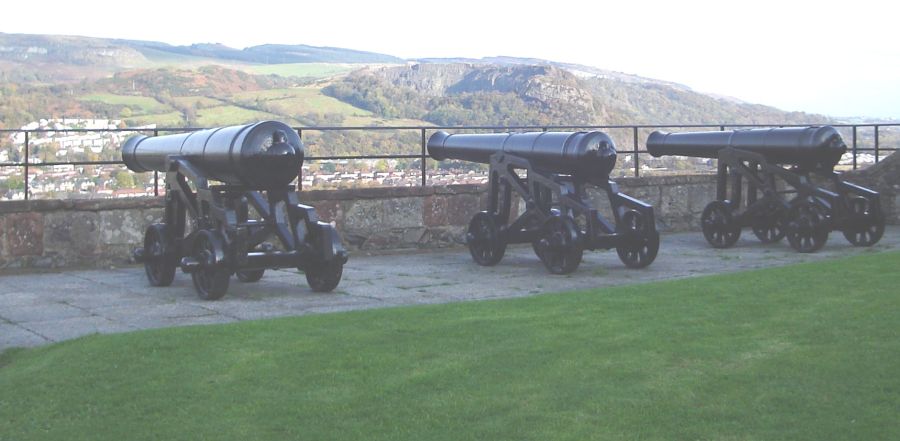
[
  {"x": 587, "y": 154},
  {"x": 264, "y": 155},
  {"x": 809, "y": 147}
]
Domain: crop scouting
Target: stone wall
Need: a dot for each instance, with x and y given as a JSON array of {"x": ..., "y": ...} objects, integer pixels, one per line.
[{"x": 99, "y": 233}]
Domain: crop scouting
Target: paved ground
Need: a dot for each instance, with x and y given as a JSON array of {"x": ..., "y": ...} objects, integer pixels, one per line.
[{"x": 36, "y": 309}]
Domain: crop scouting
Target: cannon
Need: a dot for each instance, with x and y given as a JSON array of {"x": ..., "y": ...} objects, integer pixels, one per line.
[
  {"x": 550, "y": 172},
  {"x": 792, "y": 188},
  {"x": 228, "y": 197}
]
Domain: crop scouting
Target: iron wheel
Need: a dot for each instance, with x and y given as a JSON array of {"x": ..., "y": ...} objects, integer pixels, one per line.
[
  {"x": 641, "y": 243},
  {"x": 212, "y": 277},
  {"x": 160, "y": 261},
  {"x": 866, "y": 223},
  {"x": 718, "y": 225},
  {"x": 806, "y": 228},
  {"x": 324, "y": 276},
  {"x": 250, "y": 276},
  {"x": 769, "y": 230},
  {"x": 484, "y": 241},
  {"x": 560, "y": 247}
]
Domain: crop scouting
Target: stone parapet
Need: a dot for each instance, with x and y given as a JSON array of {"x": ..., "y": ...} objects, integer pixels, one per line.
[{"x": 98, "y": 233}]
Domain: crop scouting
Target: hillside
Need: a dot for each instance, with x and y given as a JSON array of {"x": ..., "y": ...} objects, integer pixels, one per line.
[
  {"x": 521, "y": 94},
  {"x": 45, "y": 59}
]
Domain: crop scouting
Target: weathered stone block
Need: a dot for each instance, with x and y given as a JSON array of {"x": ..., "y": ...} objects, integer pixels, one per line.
[
  {"x": 699, "y": 196},
  {"x": 73, "y": 235},
  {"x": 364, "y": 215},
  {"x": 450, "y": 210},
  {"x": 24, "y": 233},
  {"x": 403, "y": 212},
  {"x": 121, "y": 227}
]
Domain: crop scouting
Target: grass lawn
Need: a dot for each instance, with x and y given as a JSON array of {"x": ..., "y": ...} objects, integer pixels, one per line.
[
  {"x": 807, "y": 352},
  {"x": 302, "y": 100},
  {"x": 230, "y": 115},
  {"x": 138, "y": 104},
  {"x": 203, "y": 101},
  {"x": 169, "y": 119},
  {"x": 312, "y": 70}
]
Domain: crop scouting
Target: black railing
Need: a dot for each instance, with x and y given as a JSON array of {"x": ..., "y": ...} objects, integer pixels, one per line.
[{"x": 422, "y": 154}]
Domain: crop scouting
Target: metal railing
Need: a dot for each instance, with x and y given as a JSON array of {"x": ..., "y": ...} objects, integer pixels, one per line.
[{"x": 422, "y": 154}]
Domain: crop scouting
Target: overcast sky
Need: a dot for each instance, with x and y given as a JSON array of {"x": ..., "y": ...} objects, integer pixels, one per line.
[{"x": 837, "y": 58}]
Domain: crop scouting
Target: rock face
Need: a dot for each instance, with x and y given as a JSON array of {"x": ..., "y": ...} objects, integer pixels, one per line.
[{"x": 546, "y": 85}]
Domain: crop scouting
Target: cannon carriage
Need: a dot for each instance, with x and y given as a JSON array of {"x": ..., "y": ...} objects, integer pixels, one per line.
[
  {"x": 215, "y": 230},
  {"x": 791, "y": 189},
  {"x": 550, "y": 172}
]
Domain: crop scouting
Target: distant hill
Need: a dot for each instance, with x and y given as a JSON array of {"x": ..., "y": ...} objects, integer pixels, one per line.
[
  {"x": 544, "y": 94},
  {"x": 26, "y": 58},
  {"x": 271, "y": 53}
]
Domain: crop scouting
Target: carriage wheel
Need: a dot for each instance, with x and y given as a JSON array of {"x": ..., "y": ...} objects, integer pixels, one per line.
[
  {"x": 718, "y": 225},
  {"x": 250, "y": 276},
  {"x": 160, "y": 260},
  {"x": 641, "y": 243},
  {"x": 560, "y": 245},
  {"x": 769, "y": 230},
  {"x": 324, "y": 276},
  {"x": 484, "y": 241},
  {"x": 211, "y": 278},
  {"x": 806, "y": 227},
  {"x": 866, "y": 223}
]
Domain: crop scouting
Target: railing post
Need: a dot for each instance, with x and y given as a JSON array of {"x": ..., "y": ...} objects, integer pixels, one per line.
[
  {"x": 424, "y": 155},
  {"x": 300, "y": 172},
  {"x": 26, "y": 166},
  {"x": 155, "y": 173},
  {"x": 854, "y": 147},
  {"x": 876, "y": 144},
  {"x": 637, "y": 168}
]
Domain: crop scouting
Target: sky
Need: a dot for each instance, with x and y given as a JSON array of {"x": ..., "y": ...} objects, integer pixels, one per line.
[{"x": 838, "y": 58}]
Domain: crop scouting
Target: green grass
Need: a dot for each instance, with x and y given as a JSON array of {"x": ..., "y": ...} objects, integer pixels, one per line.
[
  {"x": 228, "y": 115},
  {"x": 204, "y": 101},
  {"x": 313, "y": 70},
  {"x": 137, "y": 104},
  {"x": 807, "y": 352},
  {"x": 169, "y": 119},
  {"x": 302, "y": 100}
]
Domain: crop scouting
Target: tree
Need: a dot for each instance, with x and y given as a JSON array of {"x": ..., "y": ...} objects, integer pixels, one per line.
[{"x": 124, "y": 180}]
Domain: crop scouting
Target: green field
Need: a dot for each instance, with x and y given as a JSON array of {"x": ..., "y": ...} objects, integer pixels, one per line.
[
  {"x": 139, "y": 105},
  {"x": 228, "y": 115},
  {"x": 302, "y": 100},
  {"x": 199, "y": 101},
  {"x": 309, "y": 70},
  {"x": 169, "y": 119},
  {"x": 806, "y": 352}
]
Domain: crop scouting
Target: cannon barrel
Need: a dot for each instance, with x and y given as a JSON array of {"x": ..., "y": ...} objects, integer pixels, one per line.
[
  {"x": 588, "y": 154},
  {"x": 263, "y": 155},
  {"x": 802, "y": 146}
]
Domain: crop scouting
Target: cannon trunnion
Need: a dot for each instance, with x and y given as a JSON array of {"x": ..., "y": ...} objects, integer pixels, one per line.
[
  {"x": 215, "y": 231},
  {"x": 792, "y": 188},
  {"x": 550, "y": 172}
]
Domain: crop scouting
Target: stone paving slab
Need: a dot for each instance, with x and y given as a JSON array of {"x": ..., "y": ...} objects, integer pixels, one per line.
[{"x": 37, "y": 309}]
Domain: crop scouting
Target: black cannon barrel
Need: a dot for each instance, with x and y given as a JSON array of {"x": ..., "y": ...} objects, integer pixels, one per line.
[
  {"x": 820, "y": 146},
  {"x": 263, "y": 155},
  {"x": 582, "y": 153}
]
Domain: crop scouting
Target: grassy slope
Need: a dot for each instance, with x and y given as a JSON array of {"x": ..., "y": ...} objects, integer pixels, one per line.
[
  {"x": 138, "y": 104},
  {"x": 802, "y": 352},
  {"x": 310, "y": 70},
  {"x": 302, "y": 100},
  {"x": 226, "y": 115}
]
